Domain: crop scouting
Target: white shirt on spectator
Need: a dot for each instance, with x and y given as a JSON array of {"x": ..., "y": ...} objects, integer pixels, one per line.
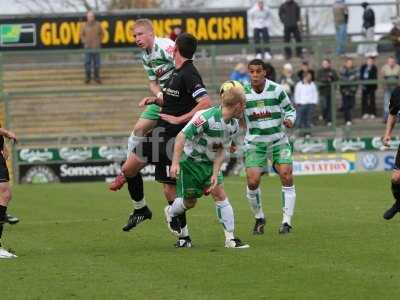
[
  {"x": 306, "y": 93},
  {"x": 259, "y": 18}
]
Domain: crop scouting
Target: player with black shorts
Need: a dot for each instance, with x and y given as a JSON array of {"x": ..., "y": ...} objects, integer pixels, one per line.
[
  {"x": 183, "y": 95},
  {"x": 5, "y": 189},
  {"x": 394, "y": 108}
]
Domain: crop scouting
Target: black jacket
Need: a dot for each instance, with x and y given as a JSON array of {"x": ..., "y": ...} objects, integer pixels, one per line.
[
  {"x": 289, "y": 13},
  {"x": 368, "y": 18},
  {"x": 325, "y": 77},
  {"x": 370, "y": 74}
]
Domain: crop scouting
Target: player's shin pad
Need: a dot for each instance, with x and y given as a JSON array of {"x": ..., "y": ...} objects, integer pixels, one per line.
[
  {"x": 225, "y": 215},
  {"x": 133, "y": 142},
  {"x": 288, "y": 202}
]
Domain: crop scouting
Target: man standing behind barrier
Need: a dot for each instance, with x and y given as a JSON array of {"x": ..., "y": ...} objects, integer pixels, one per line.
[
  {"x": 340, "y": 16},
  {"x": 260, "y": 18},
  {"x": 289, "y": 13},
  {"x": 91, "y": 36},
  {"x": 326, "y": 76}
]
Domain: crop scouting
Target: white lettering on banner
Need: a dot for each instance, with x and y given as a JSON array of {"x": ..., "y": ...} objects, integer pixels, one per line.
[
  {"x": 31, "y": 155},
  {"x": 89, "y": 171}
]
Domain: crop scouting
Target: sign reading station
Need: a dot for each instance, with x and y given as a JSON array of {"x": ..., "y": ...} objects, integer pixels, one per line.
[{"x": 64, "y": 32}]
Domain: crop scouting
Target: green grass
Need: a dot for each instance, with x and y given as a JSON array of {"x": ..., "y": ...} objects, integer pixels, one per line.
[{"x": 70, "y": 245}]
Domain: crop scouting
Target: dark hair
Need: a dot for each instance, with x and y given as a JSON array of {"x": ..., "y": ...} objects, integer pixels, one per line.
[
  {"x": 327, "y": 60},
  {"x": 186, "y": 44},
  {"x": 257, "y": 62}
]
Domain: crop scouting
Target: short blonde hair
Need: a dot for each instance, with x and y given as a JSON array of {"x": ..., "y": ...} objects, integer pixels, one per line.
[
  {"x": 233, "y": 96},
  {"x": 144, "y": 23}
]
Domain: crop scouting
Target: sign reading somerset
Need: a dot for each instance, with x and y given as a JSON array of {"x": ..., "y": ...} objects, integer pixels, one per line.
[{"x": 42, "y": 32}]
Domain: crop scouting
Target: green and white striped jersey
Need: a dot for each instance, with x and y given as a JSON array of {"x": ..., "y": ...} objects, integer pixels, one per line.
[
  {"x": 159, "y": 62},
  {"x": 265, "y": 112},
  {"x": 207, "y": 132}
]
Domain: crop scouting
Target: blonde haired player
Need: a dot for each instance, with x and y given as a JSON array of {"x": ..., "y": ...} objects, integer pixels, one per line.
[
  {"x": 198, "y": 155},
  {"x": 158, "y": 62}
]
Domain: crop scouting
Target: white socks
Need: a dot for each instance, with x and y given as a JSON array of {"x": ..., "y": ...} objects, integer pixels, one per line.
[
  {"x": 139, "y": 204},
  {"x": 254, "y": 198},
  {"x": 177, "y": 207},
  {"x": 133, "y": 142},
  {"x": 226, "y": 217},
  {"x": 288, "y": 203}
]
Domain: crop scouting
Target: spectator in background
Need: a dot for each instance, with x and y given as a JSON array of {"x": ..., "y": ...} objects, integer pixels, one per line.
[
  {"x": 260, "y": 18},
  {"x": 289, "y": 14},
  {"x": 176, "y": 30},
  {"x": 91, "y": 35},
  {"x": 368, "y": 28},
  {"x": 326, "y": 76},
  {"x": 390, "y": 72},
  {"x": 287, "y": 80},
  {"x": 270, "y": 70},
  {"x": 340, "y": 16},
  {"x": 305, "y": 67},
  {"x": 306, "y": 99},
  {"x": 395, "y": 37},
  {"x": 240, "y": 74},
  {"x": 368, "y": 71},
  {"x": 348, "y": 73}
]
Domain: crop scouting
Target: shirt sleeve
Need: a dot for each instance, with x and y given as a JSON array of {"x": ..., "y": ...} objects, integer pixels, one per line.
[
  {"x": 288, "y": 110},
  {"x": 394, "y": 105},
  {"x": 195, "y": 126},
  {"x": 194, "y": 85},
  {"x": 149, "y": 71}
]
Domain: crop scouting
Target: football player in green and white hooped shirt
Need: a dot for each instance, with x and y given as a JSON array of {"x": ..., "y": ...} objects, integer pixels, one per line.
[
  {"x": 198, "y": 155},
  {"x": 158, "y": 63},
  {"x": 268, "y": 111}
]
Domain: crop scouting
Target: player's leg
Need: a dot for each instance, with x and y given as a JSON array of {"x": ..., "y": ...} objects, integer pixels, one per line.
[
  {"x": 5, "y": 197},
  {"x": 391, "y": 212},
  {"x": 282, "y": 160},
  {"x": 255, "y": 162},
  {"x": 188, "y": 189},
  {"x": 226, "y": 217},
  {"x": 141, "y": 212},
  {"x": 184, "y": 240},
  {"x": 143, "y": 126}
]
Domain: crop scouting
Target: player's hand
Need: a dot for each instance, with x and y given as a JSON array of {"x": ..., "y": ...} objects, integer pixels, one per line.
[
  {"x": 5, "y": 154},
  {"x": 214, "y": 183},
  {"x": 386, "y": 140},
  {"x": 12, "y": 136},
  {"x": 174, "y": 170},
  {"x": 288, "y": 123},
  {"x": 148, "y": 100},
  {"x": 171, "y": 119}
]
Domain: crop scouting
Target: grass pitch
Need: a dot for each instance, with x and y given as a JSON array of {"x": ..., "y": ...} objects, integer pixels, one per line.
[{"x": 71, "y": 246}]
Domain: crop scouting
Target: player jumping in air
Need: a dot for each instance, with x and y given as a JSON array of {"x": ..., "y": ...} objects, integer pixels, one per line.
[
  {"x": 198, "y": 156},
  {"x": 5, "y": 188},
  {"x": 183, "y": 95},
  {"x": 394, "y": 108},
  {"x": 268, "y": 111},
  {"x": 158, "y": 63}
]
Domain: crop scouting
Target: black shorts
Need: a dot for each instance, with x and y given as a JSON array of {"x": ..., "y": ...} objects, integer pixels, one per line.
[
  {"x": 397, "y": 162},
  {"x": 158, "y": 150},
  {"x": 4, "y": 175}
]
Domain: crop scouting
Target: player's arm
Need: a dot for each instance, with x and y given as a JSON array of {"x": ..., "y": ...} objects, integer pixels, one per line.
[
  {"x": 289, "y": 112},
  {"x": 178, "y": 149},
  {"x": 192, "y": 130},
  {"x": 218, "y": 161},
  {"x": 8, "y": 134},
  {"x": 394, "y": 107}
]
